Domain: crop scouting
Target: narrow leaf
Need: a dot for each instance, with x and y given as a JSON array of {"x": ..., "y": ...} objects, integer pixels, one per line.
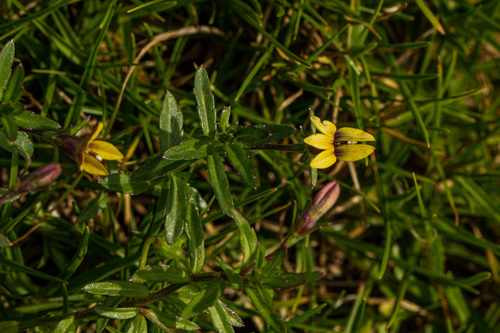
[
  {"x": 117, "y": 288},
  {"x": 161, "y": 274},
  {"x": 220, "y": 183},
  {"x": 195, "y": 237},
  {"x": 430, "y": 16},
  {"x": 157, "y": 167},
  {"x": 9, "y": 127},
  {"x": 138, "y": 325},
  {"x": 22, "y": 145},
  {"x": 189, "y": 150},
  {"x": 274, "y": 133},
  {"x": 120, "y": 182},
  {"x": 248, "y": 238},
  {"x": 224, "y": 119},
  {"x": 242, "y": 162},
  {"x": 116, "y": 313},
  {"x": 170, "y": 321},
  {"x": 30, "y": 120},
  {"x": 15, "y": 86},
  {"x": 232, "y": 316},
  {"x": 207, "y": 297},
  {"x": 176, "y": 207},
  {"x": 93, "y": 208},
  {"x": 110, "y": 302},
  {"x": 6, "y": 60},
  {"x": 219, "y": 318},
  {"x": 170, "y": 123},
  {"x": 64, "y": 325},
  {"x": 261, "y": 300},
  {"x": 205, "y": 101},
  {"x": 289, "y": 280}
]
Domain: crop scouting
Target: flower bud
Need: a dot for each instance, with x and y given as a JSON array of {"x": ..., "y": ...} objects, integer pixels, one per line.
[
  {"x": 34, "y": 181},
  {"x": 306, "y": 223},
  {"x": 39, "y": 178}
]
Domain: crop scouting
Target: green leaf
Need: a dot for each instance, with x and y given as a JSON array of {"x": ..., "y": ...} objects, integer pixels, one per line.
[
  {"x": 220, "y": 183},
  {"x": 15, "y": 87},
  {"x": 232, "y": 316},
  {"x": 116, "y": 313},
  {"x": 248, "y": 238},
  {"x": 241, "y": 161},
  {"x": 476, "y": 279},
  {"x": 65, "y": 325},
  {"x": 224, "y": 119},
  {"x": 289, "y": 280},
  {"x": 430, "y": 16},
  {"x": 93, "y": 208},
  {"x": 17, "y": 267},
  {"x": 206, "y": 103},
  {"x": 176, "y": 207},
  {"x": 117, "y": 288},
  {"x": 10, "y": 128},
  {"x": 275, "y": 263},
  {"x": 190, "y": 150},
  {"x": 195, "y": 237},
  {"x": 138, "y": 325},
  {"x": 4, "y": 241},
  {"x": 30, "y": 120},
  {"x": 219, "y": 318},
  {"x": 235, "y": 279},
  {"x": 251, "y": 134},
  {"x": 22, "y": 145},
  {"x": 9, "y": 326},
  {"x": 170, "y": 123},
  {"x": 262, "y": 302},
  {"x": 165, "y": 321},
  {"x": 156, "y": 168},
  {"x": 120, "y": 182},
  {"x": 273, "y": 133},
  {"x": 161, "y": 274},
  {"x": 305, "y": 315},
  {"x": 6, "y": 60},
  {"x": 113, "y": 302},
  {"x": 207, "y": 297}
]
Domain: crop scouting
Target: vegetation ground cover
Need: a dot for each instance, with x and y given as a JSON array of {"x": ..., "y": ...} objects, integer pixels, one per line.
[{"x": 195, "y": 221}]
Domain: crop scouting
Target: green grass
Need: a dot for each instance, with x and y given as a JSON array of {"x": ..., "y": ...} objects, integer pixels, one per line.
[{"x": 412, "y": 244}]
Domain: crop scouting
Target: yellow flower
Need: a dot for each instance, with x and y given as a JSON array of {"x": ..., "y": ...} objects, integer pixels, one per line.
[
  {"x": 336, "y": 144},
  {"x": 89, "y": 153}
]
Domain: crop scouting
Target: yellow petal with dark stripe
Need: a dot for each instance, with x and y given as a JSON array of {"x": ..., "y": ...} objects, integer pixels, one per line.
[
  {"x": 352, "y": 153},
  {"x": 352, "y": 134},
  {"x": 320, "y": 141},
  {"x": 105, "y": 150},
  {"x": 324, "y": 159},
  {"x": 93, "y": 166}
]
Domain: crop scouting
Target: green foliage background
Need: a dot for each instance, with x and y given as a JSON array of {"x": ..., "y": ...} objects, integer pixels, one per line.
[{"x": 413, "y": 244}]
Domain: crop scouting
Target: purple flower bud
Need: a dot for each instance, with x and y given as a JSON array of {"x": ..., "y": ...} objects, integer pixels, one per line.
[
  {"x": 39, "y": 178},
  {"x": 306, "y": 223},
  {"x": 34, "y": 181}
]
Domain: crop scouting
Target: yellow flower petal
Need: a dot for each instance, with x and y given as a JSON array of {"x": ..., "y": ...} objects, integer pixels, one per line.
[
  {"x": 330, "y": 125},
  {"x": 352, "y": 153},
  {"x": 324, "y": 159},
  {"x": 91, "y": 165},
  {"x": 320, "y": 141},
  {"x": 319, "y": 125},
  {"x": 105, "y": 150},
  {"x": 96, "y": 132},
  {"x": 352, "y": 134}
]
